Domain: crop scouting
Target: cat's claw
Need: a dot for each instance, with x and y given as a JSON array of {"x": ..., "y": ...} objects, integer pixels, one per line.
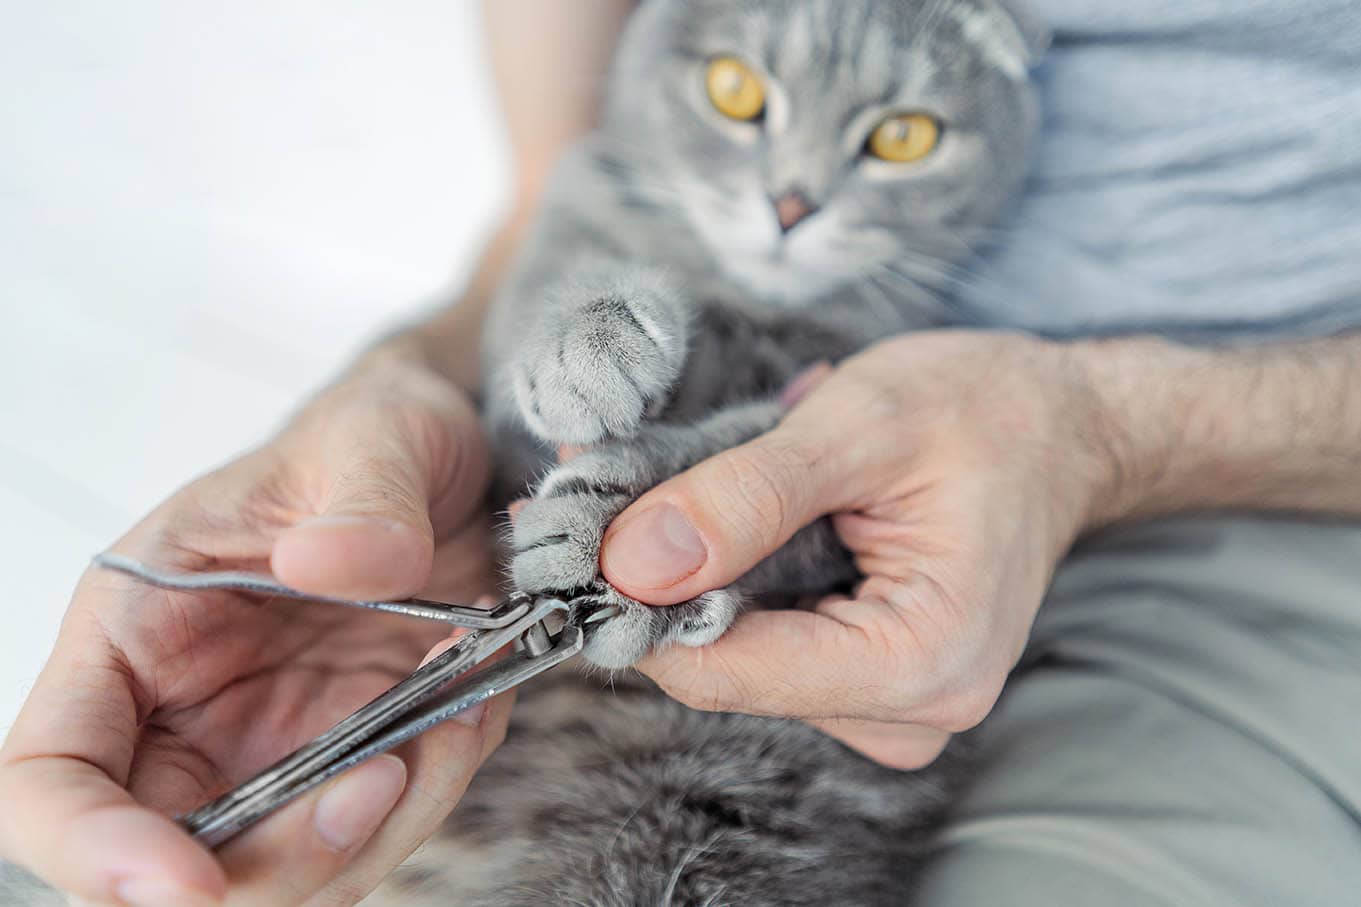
[{"x": 638, "y": 629}]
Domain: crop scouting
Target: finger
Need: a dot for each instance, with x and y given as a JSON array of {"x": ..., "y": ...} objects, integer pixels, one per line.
[
  {"x": 901, "y": 746},
  {"x": 336, "y": 844},
  {"x": 354, "y": 557},
  {"x": 891, "y": 654},
  {"x": 441, "y": 762},
  {"x": 298, "y": 851},
  {"x": 797, "y": 664},
  {"x": 709, "y": 525},
  {"x": 72, "y": 826},
  {"x": 381, "y": 480},
  {"x": 394, "y": 475},
  {"x": 372, "y": 536},
  {"x": 706, "y": 527},
  {"x": 66, "y": 815}
]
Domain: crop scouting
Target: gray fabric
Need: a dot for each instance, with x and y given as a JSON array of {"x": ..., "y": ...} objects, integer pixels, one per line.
[
  {"x": 1198, "y": 172},
  {"x": 1186, "y": 726},
  {"x": 1185, "y": 729}
]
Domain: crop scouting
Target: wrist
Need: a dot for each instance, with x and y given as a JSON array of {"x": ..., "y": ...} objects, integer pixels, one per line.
[
  {"x": 448, "y": 344},
  {"x": 1178, "y": 428},
  {"x": 392, "y": 383}
]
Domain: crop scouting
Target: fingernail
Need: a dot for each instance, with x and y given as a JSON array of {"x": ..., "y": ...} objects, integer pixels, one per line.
[
  {"x": 136, "y": 892},
  {"x": 357, "y": 803},
  {"x": 655, "y": 549}
]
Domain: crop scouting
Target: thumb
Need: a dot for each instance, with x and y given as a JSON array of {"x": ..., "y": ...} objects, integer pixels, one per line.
[
  {"x": 709, "y": 525},
  {"x": 371, "y": 536}
]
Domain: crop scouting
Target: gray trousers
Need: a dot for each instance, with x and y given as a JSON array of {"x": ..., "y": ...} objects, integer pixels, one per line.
[{"x": 1185, "y": 729}]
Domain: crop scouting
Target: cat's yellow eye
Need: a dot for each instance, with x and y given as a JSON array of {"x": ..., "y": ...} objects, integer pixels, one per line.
[
  {"x": 734, "y": 90},
  {"x": 904, "y": 138}
]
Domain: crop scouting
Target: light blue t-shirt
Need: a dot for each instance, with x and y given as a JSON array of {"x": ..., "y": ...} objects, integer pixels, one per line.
[{"x": 1199, "y": 173}]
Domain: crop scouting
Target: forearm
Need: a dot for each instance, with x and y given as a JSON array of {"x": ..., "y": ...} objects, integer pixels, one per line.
[
  {"x": 448, "y": 342},
  {"x": 1272, "y": 427},
  {"x": 548, "y": 61}
]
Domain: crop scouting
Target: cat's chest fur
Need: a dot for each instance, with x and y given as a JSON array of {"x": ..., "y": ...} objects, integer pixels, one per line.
[{"x": 744, "y": 344}]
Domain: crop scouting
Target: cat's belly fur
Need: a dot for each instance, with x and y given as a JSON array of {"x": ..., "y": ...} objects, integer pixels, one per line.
[{"x": 612, "y": 794}]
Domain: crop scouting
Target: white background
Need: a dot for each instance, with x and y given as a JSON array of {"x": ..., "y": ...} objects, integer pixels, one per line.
[{"x": 204, "y": 210}]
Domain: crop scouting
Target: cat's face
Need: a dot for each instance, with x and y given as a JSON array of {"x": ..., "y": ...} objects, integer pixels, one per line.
[{"x": 811, "y": 144}]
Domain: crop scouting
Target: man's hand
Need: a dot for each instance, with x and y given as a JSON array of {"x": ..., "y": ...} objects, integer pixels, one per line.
[
  {"x": 937, "y": 453},
  {"x": 960, "y": 468},
  {"x": 154, "y": 702}
]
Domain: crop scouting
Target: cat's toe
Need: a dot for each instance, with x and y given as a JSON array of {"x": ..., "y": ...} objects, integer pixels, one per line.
[
  {"x": 704, "y": 619},
  {"x": 556, "y": 542},
  {"x": 552, "y": 407},
  {"x": 621, "y": 640},
  {"x": 637, "y": 629}
]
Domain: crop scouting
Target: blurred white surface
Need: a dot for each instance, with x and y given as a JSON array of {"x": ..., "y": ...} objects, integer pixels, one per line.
[{"x": 204, "y": 210}]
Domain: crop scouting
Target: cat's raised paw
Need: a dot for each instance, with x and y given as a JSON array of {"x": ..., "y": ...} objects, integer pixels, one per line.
[{"x": 599, "y": 367}]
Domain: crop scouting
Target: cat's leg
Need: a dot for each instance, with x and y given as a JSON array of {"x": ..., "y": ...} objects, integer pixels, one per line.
[
  {"x": 557, "y": 536},
  {"x": 601, "y": 354}
]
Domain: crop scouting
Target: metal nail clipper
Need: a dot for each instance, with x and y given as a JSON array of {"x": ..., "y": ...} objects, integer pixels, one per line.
[{"x": 545, "y": 631}]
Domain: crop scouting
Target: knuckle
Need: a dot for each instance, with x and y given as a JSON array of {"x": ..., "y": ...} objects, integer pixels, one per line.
[
  {"x": 376, "y": 482},
  {"x": 937, "y": 654}
]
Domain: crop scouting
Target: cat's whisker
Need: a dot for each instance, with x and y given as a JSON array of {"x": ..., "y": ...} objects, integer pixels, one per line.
[{"x": 881, "y": 300}]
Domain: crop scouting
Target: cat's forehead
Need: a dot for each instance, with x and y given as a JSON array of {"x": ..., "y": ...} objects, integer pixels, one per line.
[{"x": 875, "y": 46}]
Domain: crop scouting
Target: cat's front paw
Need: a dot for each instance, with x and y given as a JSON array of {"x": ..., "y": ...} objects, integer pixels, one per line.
[
  {"x": 556, "y": 541},
  {"x": 597, "y": 367},
  {"x": 638, "y": 628},
  {"x": 557, "y": 533}
]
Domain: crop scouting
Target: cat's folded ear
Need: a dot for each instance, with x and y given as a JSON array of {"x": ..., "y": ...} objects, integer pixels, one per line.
[{"x": 1034, "y": 33}]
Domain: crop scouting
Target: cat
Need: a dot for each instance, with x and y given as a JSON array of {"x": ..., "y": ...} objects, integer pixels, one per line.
[
  {"x": 773, "y": 184},
  {"x": 660, "y": 303}
]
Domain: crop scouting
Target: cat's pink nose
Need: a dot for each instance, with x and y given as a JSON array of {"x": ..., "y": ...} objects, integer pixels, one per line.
[{"x": 791, "y": 208}]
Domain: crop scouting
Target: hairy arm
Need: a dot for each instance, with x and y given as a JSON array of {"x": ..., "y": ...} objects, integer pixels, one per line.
[
  {"x": 977, "y": 459},
  {"x": 548, "y": 60},
  {"x": 1270, "y": 427}
]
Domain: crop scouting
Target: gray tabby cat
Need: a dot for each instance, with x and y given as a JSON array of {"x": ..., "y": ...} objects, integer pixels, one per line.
[
  {"x": 773, "y": 184},
  {"x": 690, "y": 260}
]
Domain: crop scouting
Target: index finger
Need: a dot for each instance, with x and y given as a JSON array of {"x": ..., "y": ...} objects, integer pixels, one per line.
[{"x": 833, "y": 662}]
